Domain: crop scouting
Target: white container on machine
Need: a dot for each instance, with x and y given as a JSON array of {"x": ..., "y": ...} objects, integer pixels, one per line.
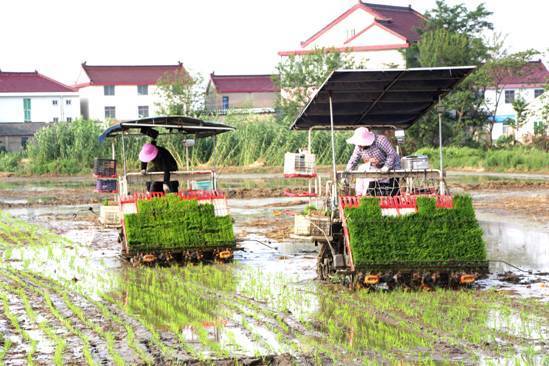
[
  {"x": 109, "y": 215},
  {"x": 415, "y": 162},
  {"x": 316, "y": 226},
  {"x": 299, "y": 164}
]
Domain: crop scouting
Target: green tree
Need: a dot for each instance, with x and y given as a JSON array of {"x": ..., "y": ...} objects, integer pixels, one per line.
[
  {"x": 454, "y": 20},
  {"x": 299, "y": 76},
  {"x": 442, "y": 47},
  {"x": 181, "y": 93},
  {"x": 458, "y": 18},
  {"x": 520, "y": 106}
]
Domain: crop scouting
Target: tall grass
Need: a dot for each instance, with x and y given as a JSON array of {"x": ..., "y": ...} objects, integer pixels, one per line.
[
  {"x": 520, "y": 159},
  {"x": 70, "y": 148},
  {"x": 264, "y": 141}
]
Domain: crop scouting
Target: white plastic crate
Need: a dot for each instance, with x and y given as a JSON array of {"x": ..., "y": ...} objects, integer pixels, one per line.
[
  {"x": 302, "y": 225},
  {"x": 109, "y": 215},
  {"x": 317, "y": 226},
  {"x": 302, "y": 163}
]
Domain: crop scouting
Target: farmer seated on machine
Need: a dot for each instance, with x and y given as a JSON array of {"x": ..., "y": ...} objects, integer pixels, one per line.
[
  {"x": 158, "y": 159},
  {"x": 381, "y": 156}
]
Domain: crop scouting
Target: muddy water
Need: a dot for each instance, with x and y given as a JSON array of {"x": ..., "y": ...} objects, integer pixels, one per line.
[{"x": 277, "y": 274}]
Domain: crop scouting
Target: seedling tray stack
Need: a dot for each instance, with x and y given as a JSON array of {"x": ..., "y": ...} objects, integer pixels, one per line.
[
  {"x": 178, "y": 225},
  {"x": 426, "y": 240}
]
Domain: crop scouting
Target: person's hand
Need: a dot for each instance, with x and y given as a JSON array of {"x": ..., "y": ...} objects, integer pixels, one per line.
[
  {"x": 166, "y": 188},
  {"x": 385, "y": 169},
  {"x": 143, "y": 172},
  {"x": 374, "y": 161}
]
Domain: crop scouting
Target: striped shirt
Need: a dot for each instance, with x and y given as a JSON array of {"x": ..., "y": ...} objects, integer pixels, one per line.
[{"x": 381, "y": 149}]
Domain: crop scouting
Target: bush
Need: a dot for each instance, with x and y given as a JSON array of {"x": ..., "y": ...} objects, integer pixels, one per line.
[
  {"x": 520, "y": 158},
  {"x": 11, "y": 161},
  {"x": 172, "y": 223},
  {"x": 432, "y": 234}
]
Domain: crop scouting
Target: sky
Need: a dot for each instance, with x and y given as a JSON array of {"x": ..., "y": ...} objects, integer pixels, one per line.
[{"x": 228, "y": 37}]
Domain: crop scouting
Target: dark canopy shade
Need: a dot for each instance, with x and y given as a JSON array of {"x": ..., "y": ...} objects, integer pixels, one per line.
[
  {"x": 180, "y": 124},
  {"x": 378, "y": 98}
]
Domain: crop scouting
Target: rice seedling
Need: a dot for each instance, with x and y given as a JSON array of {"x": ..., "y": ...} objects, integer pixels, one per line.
[
  {"x": 15, "y": 324},
  {"x": 6, "y": 345},
  {"x": 55, "y": 312}
]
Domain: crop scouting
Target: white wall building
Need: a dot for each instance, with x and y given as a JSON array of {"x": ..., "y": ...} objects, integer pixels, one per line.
[
  {"x": 373, "y": 34},
  {"x": 122, "y": 92},
  {"x": 527, "y": 83},
  {"x": 33, "y": 97}
]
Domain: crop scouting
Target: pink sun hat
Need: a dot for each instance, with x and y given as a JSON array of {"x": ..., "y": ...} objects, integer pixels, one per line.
[
  {"x": 148, "y": 153},
  {"x": 362, "y": 137}
]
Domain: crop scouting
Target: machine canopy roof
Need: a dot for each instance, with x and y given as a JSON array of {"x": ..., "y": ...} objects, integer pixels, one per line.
[
  {"x": 174, "y": 124},
  {"x": 378, "y": 98}
]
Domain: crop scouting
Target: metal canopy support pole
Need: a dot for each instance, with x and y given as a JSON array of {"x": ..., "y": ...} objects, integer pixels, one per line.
[
  {"x": 113, "y": 151},
  {"x": 440, "y": 111},
  {"x": 310, "y": 151},
  {"x": 214, "y": 175},
  {"x": 334, "y": 169},
  {"x": 124, "y": 180},
  {"x": 123, "y": 153}
]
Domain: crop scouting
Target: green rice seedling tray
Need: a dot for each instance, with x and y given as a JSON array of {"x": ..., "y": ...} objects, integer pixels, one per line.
[
  {"x": 430, "y": 237},
  {"x": 169, "y": 223}
]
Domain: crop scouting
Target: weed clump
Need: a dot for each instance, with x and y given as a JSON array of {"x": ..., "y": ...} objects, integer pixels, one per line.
[
  {"x": 172, "y": 223},
  {"x": 431, "y": 234}
]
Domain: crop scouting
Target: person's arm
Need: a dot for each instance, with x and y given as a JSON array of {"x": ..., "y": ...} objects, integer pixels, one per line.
[
  {"x": 143, "y": 167},
  {"x": 391, "y": 156},
  {"x": 353, "y": 161}
]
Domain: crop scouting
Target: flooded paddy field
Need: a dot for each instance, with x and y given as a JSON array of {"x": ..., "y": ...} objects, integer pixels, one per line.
[{"x": 68, "y": 297}]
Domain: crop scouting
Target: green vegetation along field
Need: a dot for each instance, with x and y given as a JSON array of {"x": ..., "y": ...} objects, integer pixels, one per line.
[
  {"x": 70, "y": 148},
  {"x": 61, "y": 305}
]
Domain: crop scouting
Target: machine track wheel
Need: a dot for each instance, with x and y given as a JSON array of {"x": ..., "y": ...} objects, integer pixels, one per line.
[{"x": 325, "y": 264}]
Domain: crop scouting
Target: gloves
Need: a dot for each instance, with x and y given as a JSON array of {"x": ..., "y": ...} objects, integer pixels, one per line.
[
  {"x": 385, "y": 169},
  {"x": 166, "y": 188},
  {"x": 143, "y": 172}
]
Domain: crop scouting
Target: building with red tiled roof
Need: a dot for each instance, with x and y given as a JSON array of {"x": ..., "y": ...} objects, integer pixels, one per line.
[
  {"x": 372, "y": 33},
  {"x": 27, "y": 101},
  {"x": 526, "y": 83},
  {"x": 254, "y": 93},
  {"x": 122, "y": 92}
]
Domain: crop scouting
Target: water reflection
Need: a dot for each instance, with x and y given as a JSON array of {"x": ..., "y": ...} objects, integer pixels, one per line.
[{"x": 520, "y": 245}]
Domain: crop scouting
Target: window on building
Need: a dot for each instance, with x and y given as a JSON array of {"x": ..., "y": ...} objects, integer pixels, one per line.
[
  {"x": 54, "y": 102},
  {"x": 143, "y": 111},
  {"x": 509, "y": 96},
  {"x": 55, "y": 119},
  {"x": 538, "y": 92},
  {"x": 108, "y": 90},
  {"x": 350, "y": 33},
  {"x": 68, "y": 102},
  {"x": 110, "y": 112},
  {"x": 143, "y": 90},
  {"x": 69, "y": 119},
  {"x": 225, "y": 102},
  {"x": 27, "y": 109}
]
